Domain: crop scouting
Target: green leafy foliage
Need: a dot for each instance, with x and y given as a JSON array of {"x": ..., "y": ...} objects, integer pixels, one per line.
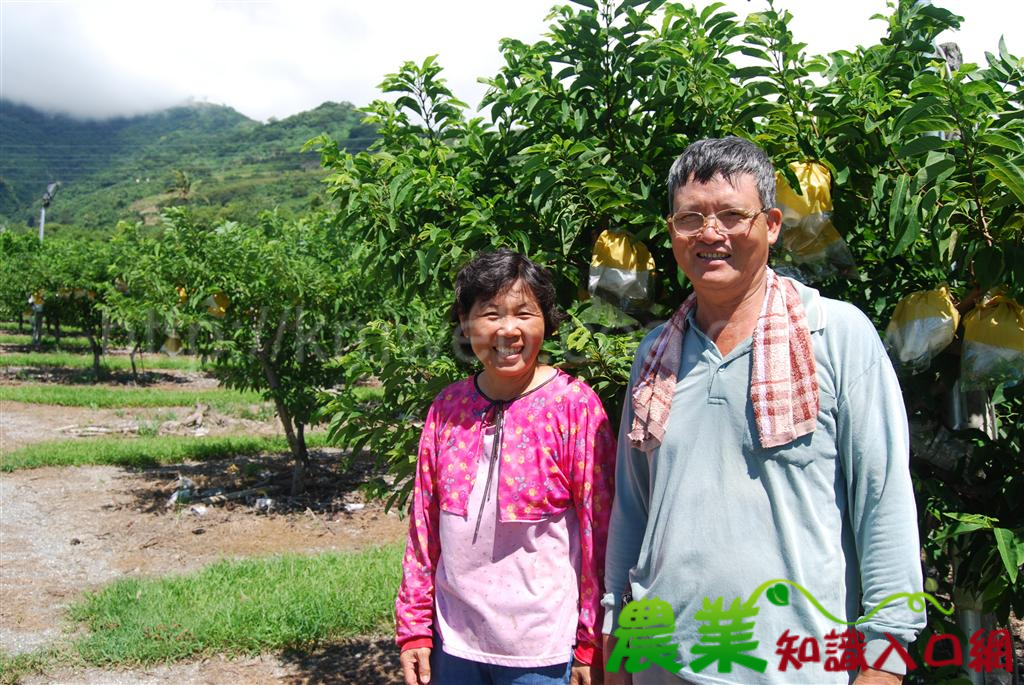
[
  {"x": 72, "y": 277},
  {"x": 267, "y": 302}
]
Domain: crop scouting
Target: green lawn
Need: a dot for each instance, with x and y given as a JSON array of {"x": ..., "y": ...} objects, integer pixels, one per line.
[
  {"x": 67, "y": 342},
  {"x": 11, "y": 327},
  {"x": 103, "y": 397},
  {"x": 145, "y": 452},
  {"x": 84, "y": 361},
  {"x": 233, "y": 607}
]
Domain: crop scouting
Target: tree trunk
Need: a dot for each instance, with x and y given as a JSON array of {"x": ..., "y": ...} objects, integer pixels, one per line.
[
  {"x": 97, "y": 352},
  {"x": 294, "y": 433},
  {"x": 131, "y": 358},
  {"x": 301, "y": 462}
]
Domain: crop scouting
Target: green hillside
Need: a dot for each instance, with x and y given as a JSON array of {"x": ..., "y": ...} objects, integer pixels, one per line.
[{"x": 211, "y": 157}]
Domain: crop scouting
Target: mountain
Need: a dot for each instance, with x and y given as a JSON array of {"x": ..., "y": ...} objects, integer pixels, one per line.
[{"x": 218, "y": 161}]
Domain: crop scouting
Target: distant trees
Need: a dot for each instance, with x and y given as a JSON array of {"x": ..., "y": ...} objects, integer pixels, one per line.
[
  {"x": 267, "y": 302},
  {"x": 71, "y": 277},
  {"x": 181, "y": 185}
]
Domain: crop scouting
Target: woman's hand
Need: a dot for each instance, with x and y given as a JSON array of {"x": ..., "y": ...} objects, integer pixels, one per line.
[
  {"x": 416, "y": 666},
  {"x": 583, "y": 674}
]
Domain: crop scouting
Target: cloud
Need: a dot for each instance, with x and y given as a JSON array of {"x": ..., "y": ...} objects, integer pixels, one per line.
[{"x": 98, "y": 58}]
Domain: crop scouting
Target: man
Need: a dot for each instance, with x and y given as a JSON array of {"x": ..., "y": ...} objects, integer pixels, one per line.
[{"x": 763, "y": 437}]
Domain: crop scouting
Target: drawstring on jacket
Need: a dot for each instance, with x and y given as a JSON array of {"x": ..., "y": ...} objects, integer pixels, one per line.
[{"x": 498, "y": 407}]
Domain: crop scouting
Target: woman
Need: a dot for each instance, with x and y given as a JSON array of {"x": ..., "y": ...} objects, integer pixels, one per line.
[{"x": 510, "y": 508}]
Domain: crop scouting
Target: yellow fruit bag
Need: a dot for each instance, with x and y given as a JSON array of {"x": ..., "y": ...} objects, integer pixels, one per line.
[
  {"x": 809, "y": 239},
  {"x": 620, "y": 269},
  {"x": 217, "y": 304},
  {"x": 922, "y": 325},
  {"x": 993, "y": 350}
]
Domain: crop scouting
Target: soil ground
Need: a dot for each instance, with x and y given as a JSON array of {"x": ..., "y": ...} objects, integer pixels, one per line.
[{"x": 67, "y": 530}]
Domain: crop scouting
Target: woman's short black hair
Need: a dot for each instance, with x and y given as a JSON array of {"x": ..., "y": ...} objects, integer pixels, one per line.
[{"x": 492, "y": 273}]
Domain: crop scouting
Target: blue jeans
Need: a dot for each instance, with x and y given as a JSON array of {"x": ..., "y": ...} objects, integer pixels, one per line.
[{"x": 446, "y": 669}]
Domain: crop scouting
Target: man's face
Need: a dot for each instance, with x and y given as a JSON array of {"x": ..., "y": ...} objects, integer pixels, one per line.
[{"x": 725, "y": 267}]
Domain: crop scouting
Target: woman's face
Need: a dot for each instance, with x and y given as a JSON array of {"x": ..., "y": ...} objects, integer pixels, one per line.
[{"x": 506, "y": 333}]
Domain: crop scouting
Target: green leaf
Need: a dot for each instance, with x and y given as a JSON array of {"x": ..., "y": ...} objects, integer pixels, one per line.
[
  {"x": 1011, "y": 549},
  {"x": 988, "y": 265},
  {"x": 934, "y": 123},
  {"x": 543, "y": 183},
  {"x": 999, "y": 140},
  {"x": 927, "y": 83},
  {"x": 912, "y": 228},
  {"x": 899, "y": 198},
  {"x": 920, "y": 106},
  {"x": 1011, "y": 175},
  {"x": 745, "y": 73},
  {"x": 919, "y": 146},
  {"x": 972, "y": 521},
  {"x": 938, "y": 166},
  {"x": 409, "y": 103}
]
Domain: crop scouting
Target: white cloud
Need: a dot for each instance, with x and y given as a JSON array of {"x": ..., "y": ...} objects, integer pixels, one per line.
[{"x": 277, "y": 57}]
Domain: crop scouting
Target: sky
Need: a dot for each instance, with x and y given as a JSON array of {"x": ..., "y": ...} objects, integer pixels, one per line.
[{"x": 275, "y": 58}]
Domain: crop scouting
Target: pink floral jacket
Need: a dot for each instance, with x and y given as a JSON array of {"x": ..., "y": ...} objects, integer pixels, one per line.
[{"x": 557, "y": 451}]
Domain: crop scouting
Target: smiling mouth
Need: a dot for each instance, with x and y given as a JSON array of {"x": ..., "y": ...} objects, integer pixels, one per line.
[
  {"x": 508, "y": 351},
  {"x": 713, "y": 256}
]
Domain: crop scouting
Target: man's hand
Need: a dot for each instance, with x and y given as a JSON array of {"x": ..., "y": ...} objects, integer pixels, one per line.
[
  {"x": 416, "y": 666},
  {"x": 623, "y": 677},
  {"x": 870, "y": 676}
]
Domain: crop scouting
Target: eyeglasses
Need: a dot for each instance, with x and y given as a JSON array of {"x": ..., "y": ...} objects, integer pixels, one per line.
[{"x": 727, "y": 222}]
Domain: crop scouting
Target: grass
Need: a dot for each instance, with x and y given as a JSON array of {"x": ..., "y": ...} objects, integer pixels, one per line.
[
  {"x": 263, "y": 412},
  {"x": 11, "y": 327},
  {"x": 236, "y": 607},
  {"x": 146, "y": 452},
  {"x": 366, "y": 393},
  {"x": 69, "y": 342},
  {"x": 102, "y": 397},
  {"x": 84, "y": 361},
  {"x": 14, "y": 667}
]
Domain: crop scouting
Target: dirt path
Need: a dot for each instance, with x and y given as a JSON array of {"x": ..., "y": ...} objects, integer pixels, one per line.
[
  {"x": 63, "y": 531},
  {"x": 371, "y": 661}
]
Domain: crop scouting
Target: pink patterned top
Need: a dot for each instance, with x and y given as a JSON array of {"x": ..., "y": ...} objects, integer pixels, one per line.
[{"x": 557, "y": 452}]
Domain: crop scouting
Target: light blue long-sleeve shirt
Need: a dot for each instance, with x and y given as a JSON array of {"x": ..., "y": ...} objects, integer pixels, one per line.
[{"x": 712, "y": 514}]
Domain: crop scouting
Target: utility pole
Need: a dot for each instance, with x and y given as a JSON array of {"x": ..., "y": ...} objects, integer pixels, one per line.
[{"x": 51, "y": 190}]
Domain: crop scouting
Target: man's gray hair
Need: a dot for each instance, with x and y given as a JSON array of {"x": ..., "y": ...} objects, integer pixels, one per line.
[{"x": 728, "y": 157}]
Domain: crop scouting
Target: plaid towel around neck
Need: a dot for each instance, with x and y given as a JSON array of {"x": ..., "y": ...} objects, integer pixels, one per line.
[{"x": 783, "y": 387}]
